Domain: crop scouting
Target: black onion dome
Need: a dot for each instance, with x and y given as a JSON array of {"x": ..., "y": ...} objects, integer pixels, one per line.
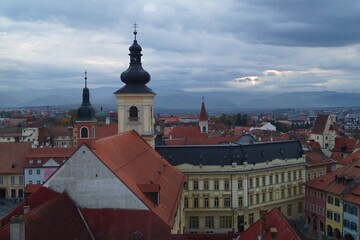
[
  {"x": 86, "y": 112},
  {"x": 135, "y": 74}
]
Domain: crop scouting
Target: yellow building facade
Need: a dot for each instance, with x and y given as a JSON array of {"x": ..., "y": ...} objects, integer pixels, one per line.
[
  {"x": 12, "y": 186},
  {"x": 225, "y": 193},
  {"x": 334, "y": 215}
]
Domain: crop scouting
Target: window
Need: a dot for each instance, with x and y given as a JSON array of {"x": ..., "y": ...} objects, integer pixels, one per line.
[
  {"x": 1, "y": 180},
  {"x": 289, "y": 176},
  {"x": 225, "y": 222},
  {"x": 30, "y": 182},
  {"x": 282, "y": 193},
  {"x": 84, "y": 132},
  {"x": 30, "y": 171},
  {"x": 270, "y": 196},
  {"x": 13, "y": 193},
  {"x": 353, "y": 226},
  {"x": 227, "y": 185},
  {"x": 196, "y": 202},
  {"x": 37, "y": 171},
  {"x": 299, "y": 174},
  {"x": 93, "y": 133},
  {"x": 196, "y": 185},
  {"x": 300, "y": 207},
  {"x": 263, "y": 181},
  {"x": 289, "y": 192},
  {"x": 257, "y": 199},
  {"x": 186, "y": 202},
  {"x": 337, "y": 217},
  {"x": 321, "y": 196},
  {"x": 354, "y": 211},
  {"x": 12, "y": 180},
  {"x": 206, "y": 185},
  {"x": 295, "y": 191},
  {"x": 271, "y": 179},
  {"x": 193, "y": 222},
  {"x": 227, "y": 202},
  {"x": 330, "y": 200},
  {"x": 38, "y": 182},
  {"x": 133, "y": 113},
  {"x": 251, "y": 219},
  {"x": 31, "y": 161},
  {"x": 216, "y": 202},
  {"x": 329, "y": 215},
  {"x": 289, "y": 208},
  {"x": 264, "y": 197},
  {"x": 294, "y": 176},
  {"x": 250, "y": 183},
  {"x": 337, "y": 202},
  {"x": 39, "y": 161},
  {"x": 240, "y": 201},
  {"x": 209, "y": 221},
  {"x": 250, "y": 200},
  {"x": 240, "y": 184},
  {"x": 216, "y": 185},
  {"x": 308, "y": 177},
  {"x": 276, "y": 179},
  {"x": 21, "y": 193},
  {"x": 206, "y": 202},
  {"x": 282, "y": 177},
  {"x": 257, "y": 182}
]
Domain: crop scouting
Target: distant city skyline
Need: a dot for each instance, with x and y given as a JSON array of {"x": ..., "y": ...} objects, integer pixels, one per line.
[{"x": 272, "y": 46}]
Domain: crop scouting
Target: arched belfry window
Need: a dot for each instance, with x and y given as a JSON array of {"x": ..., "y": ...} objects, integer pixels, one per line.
[
  {"x": 133, "y": 113},
  {"x": 84, "y": 132}
]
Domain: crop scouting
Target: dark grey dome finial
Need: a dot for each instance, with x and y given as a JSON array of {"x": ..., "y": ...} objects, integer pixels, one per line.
[{"x": 135, "y": 32}]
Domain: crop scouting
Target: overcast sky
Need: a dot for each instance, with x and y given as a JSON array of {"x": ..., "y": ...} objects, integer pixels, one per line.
[{"x": 192, "y": 45}]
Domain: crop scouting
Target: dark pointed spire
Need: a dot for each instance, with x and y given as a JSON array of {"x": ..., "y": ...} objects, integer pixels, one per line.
[
  {"x": 86, "y": 112},
  {"x": 203, "y": 114}
]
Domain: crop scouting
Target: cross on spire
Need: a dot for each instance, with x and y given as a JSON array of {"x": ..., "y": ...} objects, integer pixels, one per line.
[
  {"x": 85, "y": 78},
  {"x": 135, "y": 27}
]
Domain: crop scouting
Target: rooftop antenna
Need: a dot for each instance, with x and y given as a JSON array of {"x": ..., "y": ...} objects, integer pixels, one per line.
[
  {"x": 135, "y": 32},
  {"x": 85, "y": 78}
]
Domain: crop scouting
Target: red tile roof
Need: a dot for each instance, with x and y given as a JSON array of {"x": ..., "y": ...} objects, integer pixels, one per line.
[
  {"x": 349, "y": 159},
  {"x": 45, "y": 154},
  {"x": 39, "y": 197},
  {"x": 345, "y": 145},
  {"x": 106, "y": 130},
  {"x": 274, "y": 219},
  {"x": 135, "y": 162},
  {"x": 317, "y": 158},
  {"x": 12, "y": 157},
  {"x": 353, "y": 196},
  {"x": 30, "y": 188},
  {"x": 185, "y": 132},
  {"x": 320, "y": 124}
]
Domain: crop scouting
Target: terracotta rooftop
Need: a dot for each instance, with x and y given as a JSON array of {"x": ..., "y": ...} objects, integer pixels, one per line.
[
  {"x": 12, "y": 157},
  {"x": 349, "y": 159},
  {"x": 185, "y": 132},
  {"x": 345, "y": 145},
  {"x": 274, "y": 219},
  {"x": 317, "y": 158},
  {"x": 135, "y": 162},
  {"x": 106, "y": 130},
  {"x": 320, "y": 124},
  {"x": 45, "y": 154}
]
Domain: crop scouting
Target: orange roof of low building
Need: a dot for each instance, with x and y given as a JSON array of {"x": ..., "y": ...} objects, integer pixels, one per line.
[
  {"x": 106, "y": 130},
  {"x": 135, "y": 162},
  {"x": 349, "y": 159},
  {"x": 346, "y": 145},
  {"x": 317, "y": 158},
  {"x": 12, "y": 157},
  {"x": 274, "y": 219},
  {"x": 30, "y": 188},
  {"x": 185, "y": 132}
]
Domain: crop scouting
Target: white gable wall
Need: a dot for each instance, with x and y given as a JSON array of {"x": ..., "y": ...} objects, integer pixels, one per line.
[{"x": 91, "y": 184}]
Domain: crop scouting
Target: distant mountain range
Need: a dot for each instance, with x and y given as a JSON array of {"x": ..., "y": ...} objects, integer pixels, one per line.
[{"x": 177, "y": 101}]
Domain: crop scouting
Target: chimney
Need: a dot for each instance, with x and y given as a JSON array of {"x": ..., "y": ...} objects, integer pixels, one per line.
[
  {"x": 262, "y": 221},
  {"x": 26, "y": 209},
  {"x": 17, "y": 228}
]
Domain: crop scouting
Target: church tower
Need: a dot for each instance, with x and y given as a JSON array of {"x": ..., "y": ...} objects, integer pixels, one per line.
[
  {"x": 85, "y": 121},
  {"x": 135, "y": 100},
  {"x": 203, "y": 119}
]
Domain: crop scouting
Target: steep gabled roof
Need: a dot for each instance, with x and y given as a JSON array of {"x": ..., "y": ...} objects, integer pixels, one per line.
[
  {"x": 320, "y": 124},
  {"x": 12, "y": 157},
  {"x": 345, "y": 145},
  {"x": 349, "y": 159},
  {"x": 106, "y": 130},
  {"x": 134, "y": 162},
  {"x": 317, "y": 158},
  {"x": 55, "y": 218},
  {"x": 274, "y": 219}
]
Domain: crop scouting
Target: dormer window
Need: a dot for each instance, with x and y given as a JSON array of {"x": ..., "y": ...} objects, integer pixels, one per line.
[
  {"x": 133, "y": 114},
  {"x": 31, "y": 161}
]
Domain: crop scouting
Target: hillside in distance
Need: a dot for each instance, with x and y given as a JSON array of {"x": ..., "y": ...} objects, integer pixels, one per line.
[{"x": 176, "y": 100}]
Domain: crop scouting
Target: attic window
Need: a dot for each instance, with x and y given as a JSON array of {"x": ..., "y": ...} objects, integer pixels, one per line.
[
  {"x": 31, "y": 161},
  {"x": 152, "y": 191},
  {"x": 39, "y": 161}
]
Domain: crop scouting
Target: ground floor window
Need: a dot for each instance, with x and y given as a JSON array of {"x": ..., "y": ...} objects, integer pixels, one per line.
[
  {"x": 225, "y": 222},
  {"x": 193, "y": 222},
  {"x": 209, "y": 221}
]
